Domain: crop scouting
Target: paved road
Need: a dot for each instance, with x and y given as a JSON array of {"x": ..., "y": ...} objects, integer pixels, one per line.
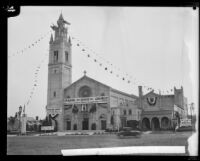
[{"x": 45, "y": 145}]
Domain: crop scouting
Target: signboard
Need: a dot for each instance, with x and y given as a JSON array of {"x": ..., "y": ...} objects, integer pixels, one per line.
[
  {"x": 83, "y": 100},
  {"x": 53, "y": 111},
  {"x": 46, "y": 128},
  {"x": 185, "y": 122}
]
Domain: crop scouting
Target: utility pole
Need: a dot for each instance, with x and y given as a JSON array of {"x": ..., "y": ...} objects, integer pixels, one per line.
[
  {"x": 191, "y": 108},
  {"x": 23, "y": 122},
  {"x": 19, "y": 116}
]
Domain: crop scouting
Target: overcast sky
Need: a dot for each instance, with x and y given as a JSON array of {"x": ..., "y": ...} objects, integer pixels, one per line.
[{"x": 157, "y": 46}]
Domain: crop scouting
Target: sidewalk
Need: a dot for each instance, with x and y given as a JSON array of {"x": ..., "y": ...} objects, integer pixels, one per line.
[{"x": 78, "y": 132}]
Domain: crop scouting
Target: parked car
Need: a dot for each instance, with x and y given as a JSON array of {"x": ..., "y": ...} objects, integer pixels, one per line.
[
  {"x": 185, "y": 128},
  {"x": 111, "y": 130},
  {"x": 129, "y": 132}
]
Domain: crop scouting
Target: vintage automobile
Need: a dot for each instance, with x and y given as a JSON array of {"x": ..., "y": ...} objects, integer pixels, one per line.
[
  {"x": 185, "y": 128},
  {"x": 129, "y": 132}
]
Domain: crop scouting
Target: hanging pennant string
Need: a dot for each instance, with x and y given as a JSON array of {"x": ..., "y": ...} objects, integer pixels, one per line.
[
  {"x": 35, "y": 81},
  {"x": 31, "y": 45},
  {"x": 124, "y": 76},
  {"x": 100, "y": 62},
  {"x": 110, "y": 67}
]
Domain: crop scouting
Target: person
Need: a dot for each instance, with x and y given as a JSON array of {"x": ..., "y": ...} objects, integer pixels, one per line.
[{"x": 176, "y": 128}]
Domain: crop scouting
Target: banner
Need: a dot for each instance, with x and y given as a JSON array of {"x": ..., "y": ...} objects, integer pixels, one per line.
[{"x": 83, "y": 100}]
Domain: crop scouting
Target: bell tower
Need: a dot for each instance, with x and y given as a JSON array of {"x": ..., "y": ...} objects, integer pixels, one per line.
[{"x": 59, "y": 67}]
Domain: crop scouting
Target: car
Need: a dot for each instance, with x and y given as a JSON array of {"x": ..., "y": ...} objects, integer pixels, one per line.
[
  {"x": 184, "y": 128},
  {"x": 129, "y": 132}
]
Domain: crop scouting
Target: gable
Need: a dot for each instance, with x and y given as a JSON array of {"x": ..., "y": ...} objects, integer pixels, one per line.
[
  {"x": 92, "y": 88},
  {"x": 151, "y": 94}
]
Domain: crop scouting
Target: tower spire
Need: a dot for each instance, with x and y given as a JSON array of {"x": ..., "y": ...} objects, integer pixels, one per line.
[
  {"x": 61, "y": 16},
  {"x": 69, "y": 40},
  {"x": 51, "y": 39}
]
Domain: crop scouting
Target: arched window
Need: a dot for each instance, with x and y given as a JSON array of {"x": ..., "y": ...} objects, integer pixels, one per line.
[
  {"x": 85, "y": 91},
  {"x": 55, "y": 58},
  {"x": 66, "y": 56},
  {"x": 130, "y": 112},
  {"x": 54, "y": 94}
]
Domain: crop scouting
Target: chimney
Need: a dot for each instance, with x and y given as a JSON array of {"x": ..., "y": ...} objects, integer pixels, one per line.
[
  {"x": 140, "y": 97},
  {"x": 140, "y": 91}
]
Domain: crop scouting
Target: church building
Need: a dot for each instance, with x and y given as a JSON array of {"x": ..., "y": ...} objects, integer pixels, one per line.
[
  {"x": 161, "y": 112},
  {"x": 85, "y": 104}
]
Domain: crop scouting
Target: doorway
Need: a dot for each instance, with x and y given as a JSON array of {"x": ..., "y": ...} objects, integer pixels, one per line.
[
  {"x": 155, "y": 124},
  {"x": 145, "y": 124},
  {"x": 68, "y": 125},
  {"x": 103, "y": 124},
  {"x": 85, "y": 124}
]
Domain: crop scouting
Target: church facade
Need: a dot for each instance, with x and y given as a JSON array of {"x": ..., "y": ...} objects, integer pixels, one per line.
[{"x": 87, "y": 104}]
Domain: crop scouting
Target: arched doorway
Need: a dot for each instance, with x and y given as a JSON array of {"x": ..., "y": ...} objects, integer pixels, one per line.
[
  {"x": 102, "y": 119},
  {"x": 155, "y": 124},
  {"x": 145, "y": 124},
  {"x": 85, "y": 124},
  {"x": 165, "y": 123},
  {"x": 68, "y": 124},
  {"x": 93, "y": 126},
  {"x": 75, "y": 126}
]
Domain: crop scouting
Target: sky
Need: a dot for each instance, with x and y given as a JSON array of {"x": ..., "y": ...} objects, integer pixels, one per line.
[{"x": 157, "y": 47}]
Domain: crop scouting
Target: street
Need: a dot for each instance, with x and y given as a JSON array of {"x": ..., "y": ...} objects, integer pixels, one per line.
[{"x": 52, "y": 145}]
